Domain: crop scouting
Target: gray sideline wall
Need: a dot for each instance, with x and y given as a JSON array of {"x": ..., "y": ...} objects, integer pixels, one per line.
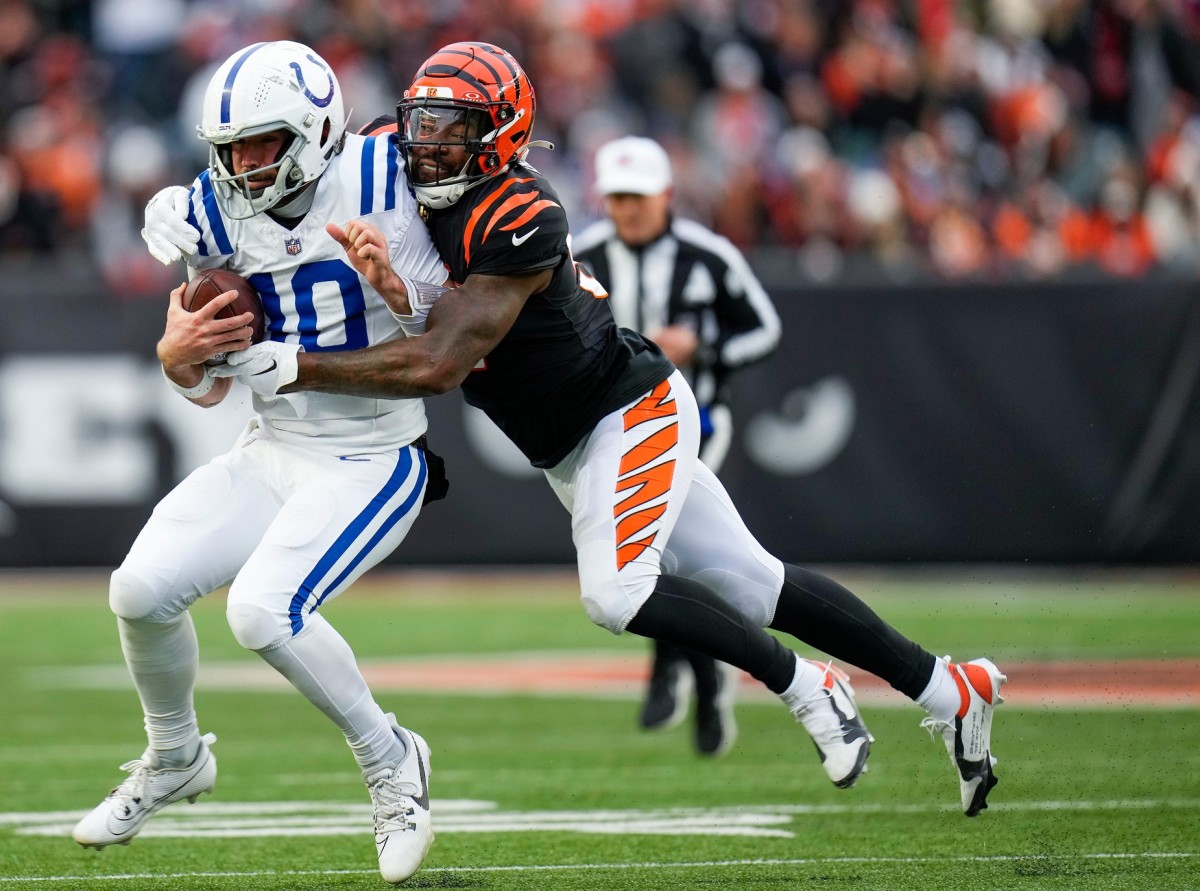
[{"x": 1023, "y": 423}]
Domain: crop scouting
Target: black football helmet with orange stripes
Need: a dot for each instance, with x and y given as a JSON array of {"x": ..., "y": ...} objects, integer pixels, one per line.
[{"x": 467, "y": 116}]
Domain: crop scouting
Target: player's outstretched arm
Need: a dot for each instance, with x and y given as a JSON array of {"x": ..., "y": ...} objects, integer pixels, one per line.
[{"x": 464, "y": 325}]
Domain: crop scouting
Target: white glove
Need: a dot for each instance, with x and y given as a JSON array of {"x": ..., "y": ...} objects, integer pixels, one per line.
[
  {"x": 168, "y": 234},
  {"x": 264, "y": 367}
]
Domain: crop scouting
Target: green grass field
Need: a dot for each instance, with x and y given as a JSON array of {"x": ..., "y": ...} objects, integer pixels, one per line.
[{"x": 563, "y": 792}]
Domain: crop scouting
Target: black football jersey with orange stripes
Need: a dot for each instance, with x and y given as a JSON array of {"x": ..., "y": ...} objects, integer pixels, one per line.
[{"x": 564, "y": 364}]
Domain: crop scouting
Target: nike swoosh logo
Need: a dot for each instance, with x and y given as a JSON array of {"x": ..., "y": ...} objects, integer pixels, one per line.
[
  {"x": 518, "y": 241},
  {"x": 274, "y": 364},
  {"x": 423, "y": 799}
]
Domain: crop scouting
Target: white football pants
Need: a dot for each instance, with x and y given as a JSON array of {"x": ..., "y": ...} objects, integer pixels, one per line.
[
  {"x": 291, "y": 529},
  {"x": 642, "y": 504}
]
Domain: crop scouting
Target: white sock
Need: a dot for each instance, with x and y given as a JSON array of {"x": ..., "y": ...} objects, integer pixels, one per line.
[
  {"x": 163, "y": 658},
  {"x": 804, "y": 683},
  {"x": 941, "y": 696},
  {"x": 320, "y": 664}
]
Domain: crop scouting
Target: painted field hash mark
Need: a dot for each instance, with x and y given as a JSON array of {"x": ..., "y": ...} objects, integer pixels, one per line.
[{"x": 1060, "y": 860}]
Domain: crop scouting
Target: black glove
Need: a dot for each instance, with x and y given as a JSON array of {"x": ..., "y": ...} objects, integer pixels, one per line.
[{"x": 437, "y": 485}]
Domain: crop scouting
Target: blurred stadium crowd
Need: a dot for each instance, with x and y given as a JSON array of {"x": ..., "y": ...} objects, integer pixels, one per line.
[{"x": 986, "y": 140}]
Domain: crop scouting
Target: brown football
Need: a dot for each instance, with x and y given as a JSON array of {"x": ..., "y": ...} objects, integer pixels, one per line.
[{"x": 210, "y": 283}]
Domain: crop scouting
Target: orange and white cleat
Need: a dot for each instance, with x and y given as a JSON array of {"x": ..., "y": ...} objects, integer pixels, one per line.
[{"x": 968, "y": 737}]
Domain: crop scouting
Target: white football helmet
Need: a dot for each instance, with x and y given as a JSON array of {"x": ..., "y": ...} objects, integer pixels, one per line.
[{"x": 281, "y": 85}]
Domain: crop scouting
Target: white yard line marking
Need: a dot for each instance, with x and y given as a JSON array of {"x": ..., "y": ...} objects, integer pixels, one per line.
[
  {"x": 324, "y": 818},
  {"x": 576, "y": 867}
]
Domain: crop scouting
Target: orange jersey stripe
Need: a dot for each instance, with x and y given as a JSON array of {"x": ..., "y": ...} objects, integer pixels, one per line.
[
  {"x": 478, "y": 213},
  {"x": 628, "y": 553},
  {"x": 379, "y": 130},
  {"x": 532, "y": 211},
  {"x": 511, "y": 202},
  {"x": 647, "y": 486},
  {"x": 650, "y": 449},
  {"x": 636, "y": 522},
  {"x": 653, "y": 406}
]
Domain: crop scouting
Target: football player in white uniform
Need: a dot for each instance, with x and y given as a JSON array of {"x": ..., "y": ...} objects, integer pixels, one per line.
[{"x": 318, "y": 488}]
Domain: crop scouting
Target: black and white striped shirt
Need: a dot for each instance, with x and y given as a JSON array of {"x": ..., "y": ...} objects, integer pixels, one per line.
[{"x": 688, "y": 276}]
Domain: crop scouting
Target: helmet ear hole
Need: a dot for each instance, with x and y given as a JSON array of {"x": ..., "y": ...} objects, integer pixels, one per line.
[{"x": 326, "y": 128}]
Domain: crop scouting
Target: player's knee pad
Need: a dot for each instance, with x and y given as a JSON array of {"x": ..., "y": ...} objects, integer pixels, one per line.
[
  {"x": 129, "y": 596},
  {"x": 599, "y": 613},
  {"x": 254, "y": 626},
  {"x": 612, "y": 601}
]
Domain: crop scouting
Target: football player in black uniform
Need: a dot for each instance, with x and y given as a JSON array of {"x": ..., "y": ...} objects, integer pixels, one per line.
[
  {"x": 693, "y": 293},
  {"x": 528, "y": 336}
]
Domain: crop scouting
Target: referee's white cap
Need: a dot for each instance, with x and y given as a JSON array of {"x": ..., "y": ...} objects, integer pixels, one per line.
[{"x": 632, "y": 165}]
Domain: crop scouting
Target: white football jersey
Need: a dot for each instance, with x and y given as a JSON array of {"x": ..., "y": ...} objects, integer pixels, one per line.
[{"x": 312, "y": 296}]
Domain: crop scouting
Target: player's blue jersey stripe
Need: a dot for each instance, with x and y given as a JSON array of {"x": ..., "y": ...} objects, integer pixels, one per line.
[
  {"x": 264, "y": 284},
  {"x": 393, "y": 169},
  {"x": 227, "y": 94},
  {"x": 396, "y": 516},
  {"x": 193, "y": 222},
  {"x": 351, "y": 534},
  {"x": 367, "y": 165},
  {"x": 215, "y": 223},
  {"x": 366, "y": 199}
]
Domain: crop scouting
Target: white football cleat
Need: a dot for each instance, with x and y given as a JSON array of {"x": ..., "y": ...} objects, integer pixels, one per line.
[
  {"x": 968, "y": 737},
  {"x": 400, "y": 794},
  {"x": 148, "y": 789},
  {"x": 830, "y": 715}
]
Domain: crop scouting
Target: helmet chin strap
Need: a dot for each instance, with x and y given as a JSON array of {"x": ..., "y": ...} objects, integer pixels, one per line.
[{"x": 298, "y": 203}]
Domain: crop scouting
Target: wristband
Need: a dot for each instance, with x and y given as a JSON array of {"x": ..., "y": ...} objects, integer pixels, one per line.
[
  {"x": 201, "y": 389},
  {"x": 421, "y": 297}
]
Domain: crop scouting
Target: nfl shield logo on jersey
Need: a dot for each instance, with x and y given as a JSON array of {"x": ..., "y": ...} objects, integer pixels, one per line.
[{"x": 292, "y": 245}]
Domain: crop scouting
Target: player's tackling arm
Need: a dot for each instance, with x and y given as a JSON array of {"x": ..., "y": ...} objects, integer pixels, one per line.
[{"x": 464, "y": 325}]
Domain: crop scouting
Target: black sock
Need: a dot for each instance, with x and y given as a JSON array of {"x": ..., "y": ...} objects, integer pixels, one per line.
[
  {"x": 687, "y": 613},
  {"x": 823, "y": 614}
]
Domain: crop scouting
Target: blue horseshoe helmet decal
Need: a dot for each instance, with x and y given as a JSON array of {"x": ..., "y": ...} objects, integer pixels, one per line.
[{"x": 315, "y": 100}]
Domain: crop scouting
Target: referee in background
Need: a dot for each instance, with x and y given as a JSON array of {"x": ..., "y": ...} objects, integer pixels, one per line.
[{"x": 693, "y": 293}]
